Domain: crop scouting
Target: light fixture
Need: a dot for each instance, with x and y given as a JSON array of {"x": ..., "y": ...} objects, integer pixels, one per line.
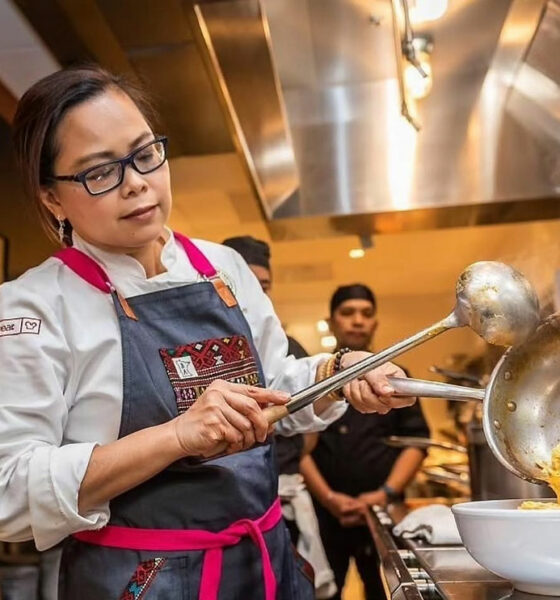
[
  {"x": 328, "y": 341},
  {"x": 417, "y": 84},
  {"x": 322, "y": 326},
  {"x": 427, "y": 10},
  {"x": 366, "y": 242},
  {"x": 357, "y": 253},
  {"x": 418, "y": 71}
]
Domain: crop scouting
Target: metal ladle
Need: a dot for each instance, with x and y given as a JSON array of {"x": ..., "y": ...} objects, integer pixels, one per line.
[
  {"x": 493, "y": 299},
  {"x": 521, "y": 404}
]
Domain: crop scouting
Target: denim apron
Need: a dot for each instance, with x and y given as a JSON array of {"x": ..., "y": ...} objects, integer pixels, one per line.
[{"x": 196, "y": 531}]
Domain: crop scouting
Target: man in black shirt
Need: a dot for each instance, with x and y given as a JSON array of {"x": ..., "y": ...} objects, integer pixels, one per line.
[{"x": 350, "y": 467}]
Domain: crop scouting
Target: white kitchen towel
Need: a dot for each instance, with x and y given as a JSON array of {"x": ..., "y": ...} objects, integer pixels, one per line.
[
  {"x": 434, "y": 523},
  {"x": 300, "y": 509}
]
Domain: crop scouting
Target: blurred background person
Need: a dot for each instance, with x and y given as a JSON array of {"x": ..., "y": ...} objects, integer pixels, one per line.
[
  {"x": 350, "y": 468},
  {"x": 297, "y": 506}
]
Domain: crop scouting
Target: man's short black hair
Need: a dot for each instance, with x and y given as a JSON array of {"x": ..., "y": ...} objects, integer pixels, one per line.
[{"x": 354, "y": 291}]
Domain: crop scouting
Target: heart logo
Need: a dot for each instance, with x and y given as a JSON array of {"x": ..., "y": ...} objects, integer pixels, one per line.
[{"x": 30, "y": 325}]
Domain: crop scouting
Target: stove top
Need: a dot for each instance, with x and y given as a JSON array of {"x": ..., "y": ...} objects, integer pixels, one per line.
[{"x": 415, "y": 570}]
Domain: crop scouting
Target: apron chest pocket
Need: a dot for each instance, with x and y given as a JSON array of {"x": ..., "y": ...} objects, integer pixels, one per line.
[{"x": 191, "y": 368}]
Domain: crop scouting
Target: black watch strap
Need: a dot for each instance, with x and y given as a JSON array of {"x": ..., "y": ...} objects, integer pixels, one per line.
[{"x": 392, "y": 494}]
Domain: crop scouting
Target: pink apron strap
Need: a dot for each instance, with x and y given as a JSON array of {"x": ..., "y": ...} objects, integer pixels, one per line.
[
  {"x": 196, "y": 539},
  {"x": 85, "y": 267},
  {"x": 197, "y": 259},
  {"x": 90, "y": 271}
]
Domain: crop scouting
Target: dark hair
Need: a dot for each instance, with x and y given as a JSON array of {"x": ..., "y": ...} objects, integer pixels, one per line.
[
  {"x": 352, "y": 292},
  {"x": 38, "y": 115},
  {"x": 253, "y": 251}
]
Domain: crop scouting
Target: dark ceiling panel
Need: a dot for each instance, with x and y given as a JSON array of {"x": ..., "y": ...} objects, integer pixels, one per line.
[
  {"x": 6, "y": 156},
  {"x": 140, "y": 23},
  {"x": 93, "y": 29},
  {"x": 8, "y": 104},
  {"x": 55, "y": 29},
  {"x": 182, "y": 91},
  {"x": 145, "y": 38}
]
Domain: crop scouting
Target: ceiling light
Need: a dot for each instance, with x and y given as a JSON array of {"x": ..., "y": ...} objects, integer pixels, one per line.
[
  {"x": 328, "y": 341},
  {"x": 418, "y": 85},
  {"x": 357, "y": 253},
  {"x": 322, "y": 326},
  {"x": 427, "y": 10}
]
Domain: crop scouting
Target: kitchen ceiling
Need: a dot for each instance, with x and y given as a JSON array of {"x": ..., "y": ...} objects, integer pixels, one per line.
[
  {"x": 478, "y": 157},
  {"x": 305, "y": 91}
]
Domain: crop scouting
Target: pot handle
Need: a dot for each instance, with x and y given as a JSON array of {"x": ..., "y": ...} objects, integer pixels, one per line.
[{"x": 434, "y": 389}]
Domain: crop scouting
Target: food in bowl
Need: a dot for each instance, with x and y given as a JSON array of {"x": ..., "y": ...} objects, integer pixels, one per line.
[
  {"x": 534, "y": 505},
  {"x": 551, "y": 474}
]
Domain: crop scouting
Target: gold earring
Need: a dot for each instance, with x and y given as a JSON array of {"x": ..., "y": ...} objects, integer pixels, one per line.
[{"x": 61, "y": 229}]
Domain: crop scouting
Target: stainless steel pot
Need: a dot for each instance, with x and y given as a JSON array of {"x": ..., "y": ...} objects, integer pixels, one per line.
[{"x": 489, "y": 479}]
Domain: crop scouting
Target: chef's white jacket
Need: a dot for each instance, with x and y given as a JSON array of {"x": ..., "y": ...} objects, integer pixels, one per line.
[{"x": 61, "y": 380}]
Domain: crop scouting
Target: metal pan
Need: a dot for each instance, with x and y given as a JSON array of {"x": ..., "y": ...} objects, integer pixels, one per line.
[
  {"x": 405, "y": 441},
  {"x": 521, "y": 404}
]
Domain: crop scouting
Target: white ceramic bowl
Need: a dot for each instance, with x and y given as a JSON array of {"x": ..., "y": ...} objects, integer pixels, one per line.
[{"x": 522, "y": 546}]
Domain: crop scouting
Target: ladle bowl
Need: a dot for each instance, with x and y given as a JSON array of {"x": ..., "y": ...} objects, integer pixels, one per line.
[{"x": 497, "y": 302}]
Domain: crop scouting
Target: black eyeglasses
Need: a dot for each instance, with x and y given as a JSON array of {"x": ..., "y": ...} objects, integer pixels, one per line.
[{"x": 107, "y": 176}]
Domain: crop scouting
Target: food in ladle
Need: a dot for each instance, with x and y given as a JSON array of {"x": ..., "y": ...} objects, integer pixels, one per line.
[{"x": 551, "y": 474}]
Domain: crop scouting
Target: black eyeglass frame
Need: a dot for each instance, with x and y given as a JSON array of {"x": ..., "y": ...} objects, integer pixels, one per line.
[{"x": 123, "y": 162}]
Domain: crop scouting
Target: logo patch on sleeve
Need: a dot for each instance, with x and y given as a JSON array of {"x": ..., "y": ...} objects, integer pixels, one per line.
[{"x": 19, "y": 326}]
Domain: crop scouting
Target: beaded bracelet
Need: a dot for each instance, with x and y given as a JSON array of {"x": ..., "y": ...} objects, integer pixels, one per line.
[
  {"x": 338, "y": 358},
  {"x": 333, "y": 367},
  {"x": 329, "y": 367},
  {"x": 322, "y": 371}
]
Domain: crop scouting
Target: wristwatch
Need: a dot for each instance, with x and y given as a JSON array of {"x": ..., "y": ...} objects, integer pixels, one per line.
[{"x": 392, "y": 494}]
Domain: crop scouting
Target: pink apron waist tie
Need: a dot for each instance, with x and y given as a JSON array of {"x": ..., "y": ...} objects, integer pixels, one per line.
[{"x": 132, "y": 538}]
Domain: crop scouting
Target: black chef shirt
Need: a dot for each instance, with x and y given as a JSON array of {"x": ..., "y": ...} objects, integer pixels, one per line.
[
  {"x": 289, "y": 449},
  {"x": 350, "y": 454}
]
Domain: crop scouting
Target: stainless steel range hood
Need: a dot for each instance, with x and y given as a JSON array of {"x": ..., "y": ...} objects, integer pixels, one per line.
[{"x": 320, "y": 126}]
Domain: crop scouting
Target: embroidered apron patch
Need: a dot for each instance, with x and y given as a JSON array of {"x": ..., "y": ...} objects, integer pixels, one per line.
[
  {"x": 193, "y": 367},
  {"x": 142, "y": 579}
]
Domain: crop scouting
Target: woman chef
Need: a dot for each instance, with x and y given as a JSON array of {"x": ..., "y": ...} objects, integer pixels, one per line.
[{"x": 125, "y": 356}]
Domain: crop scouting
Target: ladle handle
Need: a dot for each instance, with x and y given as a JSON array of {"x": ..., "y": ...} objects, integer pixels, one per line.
[
  {"x": 434, "y": 389},
  {"x": 322, "y": 388}
]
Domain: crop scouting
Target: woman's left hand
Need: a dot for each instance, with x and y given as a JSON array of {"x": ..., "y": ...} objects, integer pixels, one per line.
[{"x": 372, "y": 393}]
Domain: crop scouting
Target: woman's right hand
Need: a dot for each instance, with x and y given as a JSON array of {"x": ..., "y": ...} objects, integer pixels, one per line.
[{"x": 226, "y": 418}]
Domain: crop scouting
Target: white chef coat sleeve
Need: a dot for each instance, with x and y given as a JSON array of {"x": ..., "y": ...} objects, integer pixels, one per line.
[
  {"x": 281, "y": 372},
  {"x": 39, "y": 476}
]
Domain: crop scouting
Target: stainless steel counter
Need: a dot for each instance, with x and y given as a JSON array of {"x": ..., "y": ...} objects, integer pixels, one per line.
[
  {"x": 456, "y": 575},
  {"x": 414, "y": 570}
]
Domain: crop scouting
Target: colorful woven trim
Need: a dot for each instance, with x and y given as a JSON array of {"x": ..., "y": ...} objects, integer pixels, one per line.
[
  {"x": 193, "y": 367},
  {"x": 304, "y": 566},
  {"x": 142, "y": 579}
]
